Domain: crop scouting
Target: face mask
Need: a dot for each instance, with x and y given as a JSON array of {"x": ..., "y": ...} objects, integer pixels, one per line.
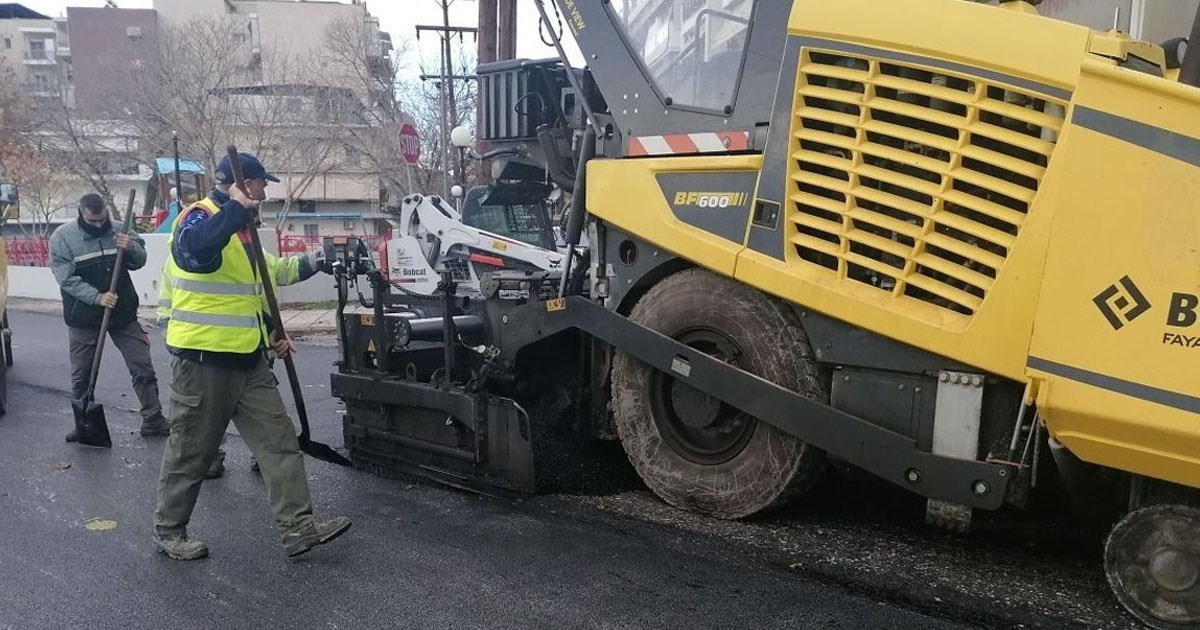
[{"x": 95, "y": 230}]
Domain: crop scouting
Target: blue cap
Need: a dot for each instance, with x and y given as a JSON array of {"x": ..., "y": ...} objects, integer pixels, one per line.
[{"x": 251, "y": 169}]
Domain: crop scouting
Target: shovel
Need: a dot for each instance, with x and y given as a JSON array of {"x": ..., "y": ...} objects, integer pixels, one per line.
[
  {"x": 317, "y": 450},
  {"x": 90, "y": 424}
]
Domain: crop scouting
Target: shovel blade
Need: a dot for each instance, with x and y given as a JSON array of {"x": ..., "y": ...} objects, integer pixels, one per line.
[
  {"x": 324, "y": 452},
  {"x": 90, "y": 423}
]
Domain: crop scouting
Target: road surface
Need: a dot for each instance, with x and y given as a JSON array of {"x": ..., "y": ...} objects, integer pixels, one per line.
[{"x": 76, "y": 550}]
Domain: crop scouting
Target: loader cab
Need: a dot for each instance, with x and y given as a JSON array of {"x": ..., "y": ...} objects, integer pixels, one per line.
[
  {"x": 519, "y": 211},
  {"x": 10, "y": 202}
]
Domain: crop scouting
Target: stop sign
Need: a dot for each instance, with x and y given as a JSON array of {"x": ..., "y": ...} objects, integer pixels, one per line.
[{"x": 410, "y": 144}]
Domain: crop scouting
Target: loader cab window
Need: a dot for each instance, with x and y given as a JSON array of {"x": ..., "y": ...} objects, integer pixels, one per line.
[
  {"x": 515, "y": 216},
  {"x": 692, "y": 50}
]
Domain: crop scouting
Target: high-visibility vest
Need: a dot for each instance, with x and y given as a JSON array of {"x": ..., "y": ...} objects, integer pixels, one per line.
[
  {"x": 219, "y": 311},
  {"x": 164, "y": 292}
]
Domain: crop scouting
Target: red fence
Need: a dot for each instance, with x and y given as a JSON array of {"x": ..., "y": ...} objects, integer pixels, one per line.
[
  {"x": 28, "y": 252},
  {"x": 292, "y": 245}
]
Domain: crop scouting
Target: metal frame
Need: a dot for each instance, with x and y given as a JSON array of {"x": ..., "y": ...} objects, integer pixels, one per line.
[
  {"x": 502, "y": 450},
  {"x": 882, "y": 452},
  {"x": 624, "y": 36},
  {"x": 632, "y": 98}
]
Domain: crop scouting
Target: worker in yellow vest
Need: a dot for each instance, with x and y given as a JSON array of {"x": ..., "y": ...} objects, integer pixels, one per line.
[
  {"x": 286, "y": 271},
  {"x": 218, "y": 339}
]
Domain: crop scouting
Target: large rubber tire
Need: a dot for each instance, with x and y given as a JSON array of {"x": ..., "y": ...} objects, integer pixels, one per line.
[
  {"x": 4, "y": 389},
  {"x": 8, "y": 355},
  {"x": 1152, "y": 560},
  {"x": 771, "y": 467}
]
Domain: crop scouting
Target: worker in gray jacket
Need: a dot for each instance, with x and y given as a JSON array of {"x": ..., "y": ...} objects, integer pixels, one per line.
[{"x": 82, "y": 255}]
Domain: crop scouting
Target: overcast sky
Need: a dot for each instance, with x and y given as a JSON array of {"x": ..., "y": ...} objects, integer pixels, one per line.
[{"x": 398, "y": 17}]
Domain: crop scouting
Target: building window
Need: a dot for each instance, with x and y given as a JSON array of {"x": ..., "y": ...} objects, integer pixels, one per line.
[
  {"x": 40, "y": 49},
  {"x": 42, "y": 83},
  {"x": 307, "y": 206},
  {"x": 312, "y": 229},
  {"x": 8, "y": 43}
]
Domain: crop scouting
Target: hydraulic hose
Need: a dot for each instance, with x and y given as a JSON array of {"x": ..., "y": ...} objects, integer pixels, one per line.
[{"x": 578, "y": 212}]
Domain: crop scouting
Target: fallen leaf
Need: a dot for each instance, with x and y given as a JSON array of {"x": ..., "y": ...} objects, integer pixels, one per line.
[
  {"x": 100, "y": 525},
  {"x": 62, "y": 465},
  {"x": 795, "y": 566}
]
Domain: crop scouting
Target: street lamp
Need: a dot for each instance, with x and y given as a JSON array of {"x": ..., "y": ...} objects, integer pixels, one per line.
[{"x": 462, "y": 138}]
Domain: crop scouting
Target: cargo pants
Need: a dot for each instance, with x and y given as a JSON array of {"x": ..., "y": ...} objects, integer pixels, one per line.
[
  {"x": 205, "y": 398},
  {"x": 134, "y": 345}
]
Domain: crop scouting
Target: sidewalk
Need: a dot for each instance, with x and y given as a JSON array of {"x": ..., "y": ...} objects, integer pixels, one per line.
[{"x": 299, "y": 323}]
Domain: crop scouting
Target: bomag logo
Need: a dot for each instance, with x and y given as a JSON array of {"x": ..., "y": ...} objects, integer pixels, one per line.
[
  {"x": 1181, "y": 315},
  {"x": 711, "y": 199},
  {"x": 1124, "y": 302},
  {"x": 1121, "y": 303}
]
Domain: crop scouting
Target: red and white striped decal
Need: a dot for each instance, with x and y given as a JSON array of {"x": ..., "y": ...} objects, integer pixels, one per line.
[{"x": 685, "y": 143}]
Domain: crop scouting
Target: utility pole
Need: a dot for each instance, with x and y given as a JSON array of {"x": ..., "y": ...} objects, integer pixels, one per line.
[
  {"x": 487, "y": 31},
  {"x": 497, "y": 42},
  {"x": 506, "y": 26},
  {"x": 486, "y": 54},
  {"x": 446, "y": 80}
]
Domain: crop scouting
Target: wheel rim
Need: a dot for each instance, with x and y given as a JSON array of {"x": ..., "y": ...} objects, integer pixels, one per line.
[
  {"x": 697, "y": 426},
  {"x": 1153, "y": 563}
]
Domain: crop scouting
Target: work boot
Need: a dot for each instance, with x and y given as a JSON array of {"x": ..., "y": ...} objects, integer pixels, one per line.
[
  {"x": 73, "y": 436},
  {"x": 217, "y": 467},
  {"x": 180, "y": 547},
  {"x": 155, "y": 428},
  {"x": 314, "y": 533}
]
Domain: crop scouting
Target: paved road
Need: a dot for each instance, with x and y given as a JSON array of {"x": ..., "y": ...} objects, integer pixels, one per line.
[{"x": 418, "y": 556}]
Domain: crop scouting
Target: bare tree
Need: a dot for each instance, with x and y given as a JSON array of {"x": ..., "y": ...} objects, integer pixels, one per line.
[
  {"x": 371, "y": 125},
  {"x": 12, "y": 114},
  {"x": 291, "y": 124},
  {"x": 39, "y": 174},
  {"x": 426, "y": 102},
  {"x": 185, "y": 88},
  {"x": 44, "y": 190},
  {"x": 90, "y": 150}
]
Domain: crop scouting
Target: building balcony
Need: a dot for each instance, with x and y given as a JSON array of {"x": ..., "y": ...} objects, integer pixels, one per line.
[{"x": 39, "y": 58}]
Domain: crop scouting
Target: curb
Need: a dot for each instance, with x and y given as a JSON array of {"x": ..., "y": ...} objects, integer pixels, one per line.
[{"x": 149, "y": 319}]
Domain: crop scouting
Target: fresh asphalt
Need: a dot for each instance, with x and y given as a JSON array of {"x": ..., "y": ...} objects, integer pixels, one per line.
[{"x": 75, "y": 547}]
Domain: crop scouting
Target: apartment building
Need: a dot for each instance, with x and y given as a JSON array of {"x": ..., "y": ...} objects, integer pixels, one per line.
[
  {"x": 92, "y": 59},
  {"x": 108, "y": 48},
  {"x": 284, "y": 44},
  {"x": 31, "y": 45}
]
